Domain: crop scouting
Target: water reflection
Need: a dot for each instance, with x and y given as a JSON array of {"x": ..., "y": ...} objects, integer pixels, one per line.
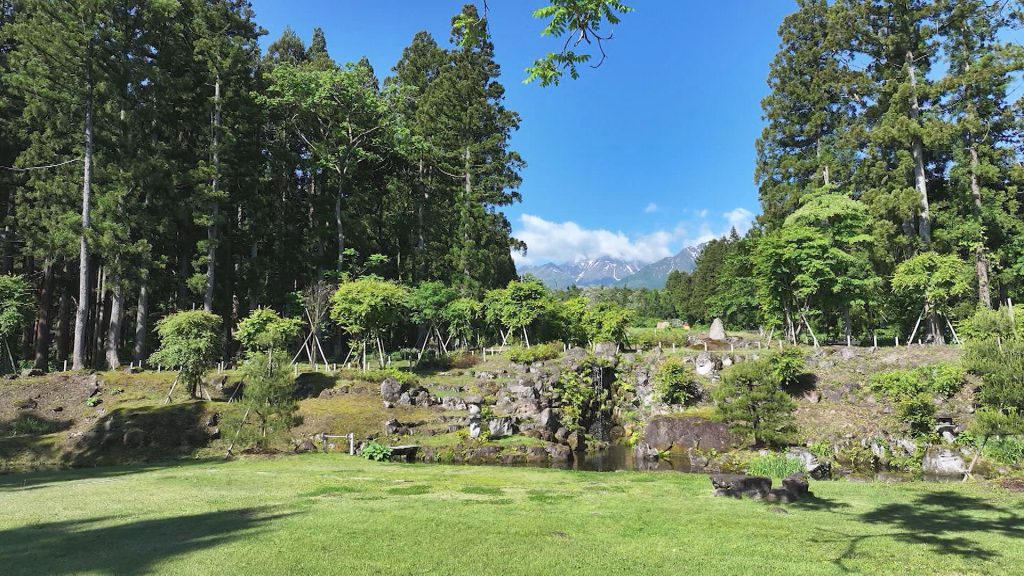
[{"x": 620, "y": 457}]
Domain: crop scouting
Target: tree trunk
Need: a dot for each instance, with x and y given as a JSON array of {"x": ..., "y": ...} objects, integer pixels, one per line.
[
  {"x": 338, "y": 221},
  {"x": 935, "y": 327},
  {"x": 114, "y": 327},
  {"x": 184, "y": 266},
  {"x": 419, "y": 269},
  {"x": 42, "y": 337},
  {"x": 82, "y": 312},
  {"x": 141, "y": 324},
  {"x": 211, "y": 229},
  {"x": 980, "y": 257},
  {"x": 847, "y": 325},
  {"x": 64, "y": 316},
  {"x": 101, "y": 315},
  {"x": 464, "y": 251},
  {"x": 917, "y": 151}
]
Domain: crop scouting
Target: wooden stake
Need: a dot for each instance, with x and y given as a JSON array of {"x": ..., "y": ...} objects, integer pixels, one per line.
[{"x": 171, "y": 391}]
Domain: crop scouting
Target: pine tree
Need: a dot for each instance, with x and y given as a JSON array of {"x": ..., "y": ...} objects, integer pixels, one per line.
[
  {"x": 59, "y": 66},
  {"x": 975, "y": 88},
  {"x": 466, "y": 111},
  {"x": 810, "y": 112}
]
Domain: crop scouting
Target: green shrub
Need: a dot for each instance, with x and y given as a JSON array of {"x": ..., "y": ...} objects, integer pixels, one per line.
[
  {"x": 945, "y": 378},
  {"x": 897, "y": 384},
  {"x": 376, "y": 452},
  {"x": 380, "y": 375},
  {"x": 1007, "y": 450},
  {"x": 988, "y": 324},
  {"x": 538, "y": 353},
  {"x": 910, "y": 464},
  {"x": 823, "y": 450},
  {"x": 32, "y": 424},
  {"x": 775, "y": 466},
  {"x": 856, "y": 457},
  {"x": 576, "y": 391},
  {"x": 676, "y": 382},
  {"x": 786, "y": 366},
  {"x": 918, "y": 412}
]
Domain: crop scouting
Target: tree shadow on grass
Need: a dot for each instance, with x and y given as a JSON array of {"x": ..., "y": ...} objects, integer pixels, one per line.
[
  {"x": 77, "y": 546},
  {"x": 946, "y": 522},
  {"x": 46, "y": 478}
]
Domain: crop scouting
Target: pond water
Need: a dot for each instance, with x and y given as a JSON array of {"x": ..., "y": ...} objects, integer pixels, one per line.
[{"x": 620, "y": 457}]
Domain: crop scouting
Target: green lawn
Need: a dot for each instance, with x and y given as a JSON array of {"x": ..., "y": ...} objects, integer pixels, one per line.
[{"x": 328, "y": 514}]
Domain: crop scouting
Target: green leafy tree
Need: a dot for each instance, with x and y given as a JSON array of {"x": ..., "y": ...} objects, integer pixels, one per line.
[
  {"x": 938, "y": 281},
  {"x": 463, "y": 111},
  {"x": 189, "y": 340},
  {"x": 808, "y": 111},
  {"x": 463, "y": 317},
  {"x": 340, "y": 119},
  {"x": 515, "y": 307},
  {"x": 606, "y": 322},
  {"x": 367, "y": 308},
  {"x": 264, "y": 330},
  {"x": 427, "y": 303},
  {"x": 977, "y": 85}
]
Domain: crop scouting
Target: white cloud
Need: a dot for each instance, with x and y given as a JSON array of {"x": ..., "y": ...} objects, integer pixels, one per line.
[
  {"x": 739, "y": 218},
  {"x": 568, "y": 241},
  {"x": 559, "y": 242},
  {"x": 651, "y": 208}
]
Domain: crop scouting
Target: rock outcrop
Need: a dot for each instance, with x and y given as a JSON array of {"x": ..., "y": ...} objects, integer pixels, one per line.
[{"x": 682, "y": 432}]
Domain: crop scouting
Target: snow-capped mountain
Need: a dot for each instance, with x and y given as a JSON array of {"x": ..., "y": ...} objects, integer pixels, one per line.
[
  {"x": 585, "y": 272},
  {"x": 655, "y": 274},
  {"x": 613, "y": 272}
]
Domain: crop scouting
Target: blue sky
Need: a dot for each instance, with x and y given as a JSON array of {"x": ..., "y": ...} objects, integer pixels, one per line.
[{"x": 647, "y": 154}]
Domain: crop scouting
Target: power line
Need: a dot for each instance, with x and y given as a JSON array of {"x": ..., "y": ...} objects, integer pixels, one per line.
[{"x": 43, "y": 167}]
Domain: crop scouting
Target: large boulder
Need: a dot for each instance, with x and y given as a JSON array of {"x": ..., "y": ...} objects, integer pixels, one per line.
[
  {"x": 739, "y": 485},
  {"x": 391, "y": 390},
  {"x": 502, "y": 427},
  {"x": 817, "y": 469},
  {"x": 717, "y": 331},
  {"x": 682, "y": 432},
  {"x": 548, "y": 419},
  {"x": 707, "y": 363},
  {"x": 943, "y": 462},
  {"x": 606, "y": 349}
]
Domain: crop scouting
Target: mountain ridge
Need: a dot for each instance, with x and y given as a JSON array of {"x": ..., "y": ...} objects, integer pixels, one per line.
[{"x": 606, "y": 271}]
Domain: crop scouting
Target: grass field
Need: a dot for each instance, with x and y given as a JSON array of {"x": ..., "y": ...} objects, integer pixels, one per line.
[{"x": 327, "y": 514}]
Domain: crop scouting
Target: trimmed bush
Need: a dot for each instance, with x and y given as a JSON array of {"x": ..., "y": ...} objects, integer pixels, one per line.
[{"x": 538, "y": 353}]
